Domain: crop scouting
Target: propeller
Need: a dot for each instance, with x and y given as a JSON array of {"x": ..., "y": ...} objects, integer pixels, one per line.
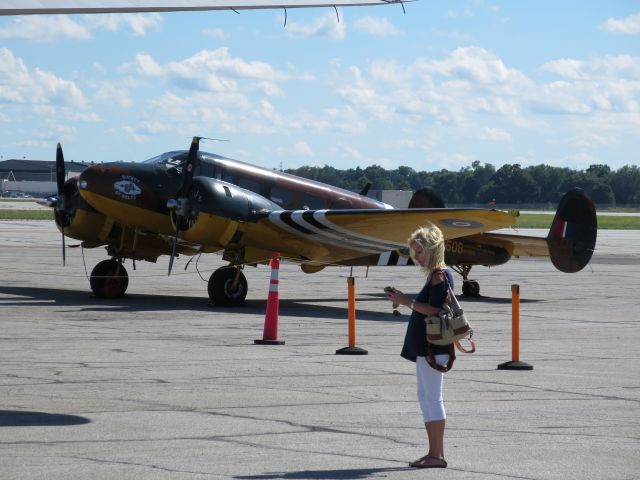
[
  {"x": 181, "y": 203},
  {"x": 60, "y": 203}
]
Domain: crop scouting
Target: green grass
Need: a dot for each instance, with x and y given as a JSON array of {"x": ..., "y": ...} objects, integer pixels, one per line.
[
  {"x": 525, "y": 220},
  {"x": 605, "y": 222},
  {"x": 15, "y": 214}
]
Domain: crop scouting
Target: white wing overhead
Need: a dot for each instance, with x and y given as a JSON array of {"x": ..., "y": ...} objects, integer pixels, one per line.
[{"x": 31, "y": 7}]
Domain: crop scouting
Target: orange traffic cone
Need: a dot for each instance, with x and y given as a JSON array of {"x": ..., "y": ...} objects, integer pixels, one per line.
[{"x": 270, "y": 334}]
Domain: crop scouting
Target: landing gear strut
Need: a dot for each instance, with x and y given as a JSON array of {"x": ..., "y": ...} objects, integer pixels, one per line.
[
  {"x": 109, "y": 279},
  {"x": 470, "y": 288},
  {"x": 228, "y": 286}
]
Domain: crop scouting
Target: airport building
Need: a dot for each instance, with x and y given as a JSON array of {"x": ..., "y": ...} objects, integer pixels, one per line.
[{"x": 37, "y": 178}]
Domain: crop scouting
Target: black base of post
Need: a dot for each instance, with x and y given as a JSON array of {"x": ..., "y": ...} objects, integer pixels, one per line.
[
  {"x": 269, "y": 342},
  {"x": 351, "y": 351},
  {"x": 515, "y": 366}
]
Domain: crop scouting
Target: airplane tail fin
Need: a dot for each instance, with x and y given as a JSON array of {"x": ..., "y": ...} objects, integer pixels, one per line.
[
  {"x": 572, "y": 236},
  {"x": 426, "y": 198}
]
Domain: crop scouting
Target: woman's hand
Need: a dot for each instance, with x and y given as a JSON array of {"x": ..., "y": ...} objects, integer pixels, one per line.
[{"x": 399, "y": 298}]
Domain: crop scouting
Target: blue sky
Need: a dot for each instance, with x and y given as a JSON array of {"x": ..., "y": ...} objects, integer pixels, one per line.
[{"x": 443, "y": 85}]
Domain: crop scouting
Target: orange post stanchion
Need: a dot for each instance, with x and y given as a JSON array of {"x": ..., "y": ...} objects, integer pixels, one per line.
[
  {"x": 270, "y": 333},
  {"x": 515, "y": 323},
  {"x": 351, "y": 349},
  {"x": 515, "y": 363}
]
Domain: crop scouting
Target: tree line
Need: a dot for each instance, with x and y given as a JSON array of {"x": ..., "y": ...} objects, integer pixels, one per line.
[{"x": 482, "y": 183}]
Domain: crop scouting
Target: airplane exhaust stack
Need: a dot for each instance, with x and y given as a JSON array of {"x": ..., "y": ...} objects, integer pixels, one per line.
[
  {"x": 572, "y": 236},
  {"x": 270, "y": 333}
]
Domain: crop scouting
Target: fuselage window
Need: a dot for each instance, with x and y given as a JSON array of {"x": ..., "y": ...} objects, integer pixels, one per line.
[
  {"x": 283, "y": 197},
  {"x": 311, "y": 202},
  {"x": 249, "y": 184}
]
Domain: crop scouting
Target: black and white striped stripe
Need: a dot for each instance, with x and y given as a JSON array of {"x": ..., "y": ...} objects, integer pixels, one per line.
[
  {"x": 393, "y": 258},
  {"x": 314, "y": 223}
]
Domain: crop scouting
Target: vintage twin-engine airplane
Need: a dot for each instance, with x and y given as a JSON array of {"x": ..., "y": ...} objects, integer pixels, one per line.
[{"x": 192, "y": 202}]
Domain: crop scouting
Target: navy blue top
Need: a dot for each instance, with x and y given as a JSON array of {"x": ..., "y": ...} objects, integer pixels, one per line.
[{"x": 415, "y": 340}]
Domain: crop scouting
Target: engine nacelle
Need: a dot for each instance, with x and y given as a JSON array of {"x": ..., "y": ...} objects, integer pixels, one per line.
[
  {"x": 218, "y": 208},
  {"x": 78, "y": 219}
]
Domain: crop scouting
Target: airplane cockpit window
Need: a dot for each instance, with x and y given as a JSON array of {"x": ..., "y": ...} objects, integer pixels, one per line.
[
  {"x": 207, "y": 169},
  {"x": 170, "y": 161}
]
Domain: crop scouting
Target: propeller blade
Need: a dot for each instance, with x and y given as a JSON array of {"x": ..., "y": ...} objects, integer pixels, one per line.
[
  {"x": 60, "y": 173},
  {"x": 173, "y": 252},
  {"x": 180, "y": 205},
  {"x": 64, "y": 255},
  {"x": 190, "y": 166},
  {"x": 60, "y": 202}
]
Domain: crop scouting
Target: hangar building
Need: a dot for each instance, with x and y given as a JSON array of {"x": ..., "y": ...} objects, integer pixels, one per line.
[{"x": 33, "y": 177}]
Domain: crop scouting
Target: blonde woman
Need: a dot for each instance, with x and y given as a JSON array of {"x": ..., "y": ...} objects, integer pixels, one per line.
[{"x": 426, "y": 245}]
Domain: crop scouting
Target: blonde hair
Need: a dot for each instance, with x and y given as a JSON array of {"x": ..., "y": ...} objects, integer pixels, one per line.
[{"x": 431, "y": 239}]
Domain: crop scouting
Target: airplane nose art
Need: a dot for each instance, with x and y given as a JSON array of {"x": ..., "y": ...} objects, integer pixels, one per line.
[{"x": 113, "y": 183}]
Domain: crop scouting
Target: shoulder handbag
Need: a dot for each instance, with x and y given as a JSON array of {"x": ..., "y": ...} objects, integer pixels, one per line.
[{"x": 450, "y": 325}]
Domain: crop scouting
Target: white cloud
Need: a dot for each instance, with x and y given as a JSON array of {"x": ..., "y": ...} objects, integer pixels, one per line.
[
  {"x": 298, "y": 150},
  {"x": 325, "y": 26},
  {"x": 49, "y": 28},
  {"x": 214, "y": 33},
  {"x": 58, "y": 91},
  {"x": 473, "y": 96},
  {"x": 494, "y": 134},
  {"x": 99, "y": 67},
  {"x": 113, "y": 93},
  {"x": 606, "y": 67},
  {"x": 212, "y": 71},
  {"x": 45, "y": 28},
  {"x": 627, "y": 26},
  {"x": 378, "y": 27},
  {"x": 144, "y": 65},
  {"x": 213, "y": 112},
  {"x": 351, "y": 153},
  {"x": 602, "y": 84},
  {"x": 138, "y": 23},
  {"x": 19, "y": 85},
  {"x": 476, "y": 65}
]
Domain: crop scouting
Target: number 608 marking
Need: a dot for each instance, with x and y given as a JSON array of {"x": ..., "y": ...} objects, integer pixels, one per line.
[{"x": 453, "y": 246}]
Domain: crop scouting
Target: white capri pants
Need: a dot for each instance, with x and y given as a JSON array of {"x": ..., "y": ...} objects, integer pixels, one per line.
[{"x": 430, "y": 388}]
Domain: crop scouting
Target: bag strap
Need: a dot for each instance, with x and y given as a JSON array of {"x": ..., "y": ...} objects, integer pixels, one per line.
[
  {"x": 431, "y": 359},
  {"x": 464, "y": 350},
  {"x": 447, "y": 285}
]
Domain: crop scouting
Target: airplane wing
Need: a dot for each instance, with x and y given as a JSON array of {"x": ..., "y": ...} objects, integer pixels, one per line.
[
  {"x": 33, "y": 7},
  {"x": 515, "y": 245},
  {"x": 331, "y": 236}
]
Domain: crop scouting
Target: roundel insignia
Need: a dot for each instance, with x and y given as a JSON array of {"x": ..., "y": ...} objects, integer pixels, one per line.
[{"x": 460, "y": 223}]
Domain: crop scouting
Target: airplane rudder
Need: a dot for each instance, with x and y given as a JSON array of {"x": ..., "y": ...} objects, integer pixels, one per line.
[{"x": 572, "y": 235}]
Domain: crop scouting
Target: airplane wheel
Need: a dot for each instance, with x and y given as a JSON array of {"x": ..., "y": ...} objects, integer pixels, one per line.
[
  {"x": 471, "y": 288},
  {"x": 221, "y": 290},
  {"x": 109, "y": 279}
]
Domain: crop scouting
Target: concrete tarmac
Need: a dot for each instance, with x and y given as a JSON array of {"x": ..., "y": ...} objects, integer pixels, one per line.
[{"x": 159, "y": 385}]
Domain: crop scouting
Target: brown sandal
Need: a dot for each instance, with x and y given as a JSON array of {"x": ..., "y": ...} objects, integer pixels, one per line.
[{"x": 429, "y": 462}]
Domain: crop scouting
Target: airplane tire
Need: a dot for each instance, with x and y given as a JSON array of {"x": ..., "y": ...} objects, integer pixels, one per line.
[
  {"x": 220, "y": 284},
  {"x": 109, "y": 279},
  {"x": 471, "y": 288}
]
